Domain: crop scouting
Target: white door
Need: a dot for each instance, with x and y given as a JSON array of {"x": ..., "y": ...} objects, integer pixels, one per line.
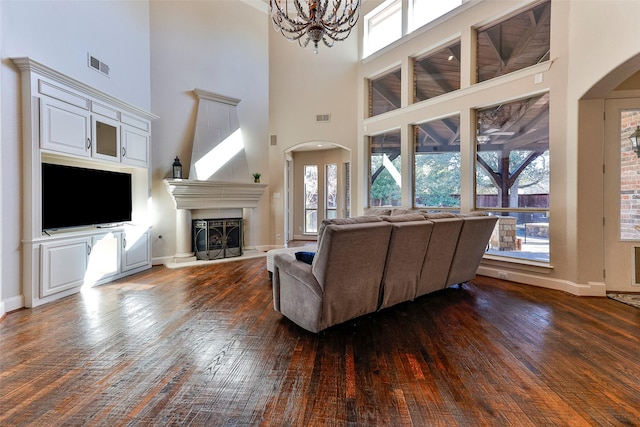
[
  {"x": 288, "y": 204},
  {"x": 621, "y": 197}
]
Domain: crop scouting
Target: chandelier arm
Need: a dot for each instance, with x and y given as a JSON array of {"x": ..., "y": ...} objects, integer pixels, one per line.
[
  {"x": 301, "y": 12},
  {"x": 290, "y": 34},
  {"x": 349, "y": 18}
]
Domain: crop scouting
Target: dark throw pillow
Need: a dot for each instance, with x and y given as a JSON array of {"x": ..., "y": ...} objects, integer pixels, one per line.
[{"x": 306, "y": 257}]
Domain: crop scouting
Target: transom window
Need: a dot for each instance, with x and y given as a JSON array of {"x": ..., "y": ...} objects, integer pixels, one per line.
[
  {"x": 514, "y": 44},
  {"x": 422, "y": 12},
  {"x": 436, "y": 73},
  {"x": 383, "y": 26},
  {"x": 384, "y": 92}
]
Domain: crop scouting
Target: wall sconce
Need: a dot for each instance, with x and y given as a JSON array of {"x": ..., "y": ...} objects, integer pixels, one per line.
[
  {"x": 635, "y": 141},
  {"x": 177, "y": 169}
]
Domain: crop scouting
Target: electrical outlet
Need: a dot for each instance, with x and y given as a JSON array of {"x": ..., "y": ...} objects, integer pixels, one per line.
[
  {"x": 502, "y": 275},
  {"x": 278, "y": 236}
]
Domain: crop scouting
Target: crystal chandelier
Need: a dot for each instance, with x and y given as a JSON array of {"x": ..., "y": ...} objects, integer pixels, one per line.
[{"x": 317, "y": 20}]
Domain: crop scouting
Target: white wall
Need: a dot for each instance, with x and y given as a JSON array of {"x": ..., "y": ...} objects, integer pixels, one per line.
[
  {"x": 59, "y": 34},
  {"x": 303, "y": 84},
  {"x": 220, "y": 47}
]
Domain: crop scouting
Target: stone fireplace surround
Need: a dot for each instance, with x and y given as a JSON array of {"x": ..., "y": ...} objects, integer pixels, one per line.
[{"x": 225, "y": 192}]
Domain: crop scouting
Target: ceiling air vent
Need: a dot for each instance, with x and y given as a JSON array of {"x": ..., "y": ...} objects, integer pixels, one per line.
[
  {"x": 323, "y": 117},
  {"x": 98, "y": 65}
]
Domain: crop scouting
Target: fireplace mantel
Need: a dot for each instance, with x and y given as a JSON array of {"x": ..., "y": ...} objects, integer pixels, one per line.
[{"x": 192, "y": 194}]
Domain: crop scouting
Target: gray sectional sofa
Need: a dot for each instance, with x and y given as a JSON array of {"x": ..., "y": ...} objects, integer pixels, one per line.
[{"x": 371, "y": 262}]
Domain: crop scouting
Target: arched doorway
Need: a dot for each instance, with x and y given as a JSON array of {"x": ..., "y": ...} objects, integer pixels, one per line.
[
  {"x": 317, "y": 186},
  {"x": 619, "y": 95}
]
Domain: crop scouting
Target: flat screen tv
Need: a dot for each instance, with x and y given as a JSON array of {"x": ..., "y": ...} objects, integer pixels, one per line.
[{"x": 74, "y": 197}]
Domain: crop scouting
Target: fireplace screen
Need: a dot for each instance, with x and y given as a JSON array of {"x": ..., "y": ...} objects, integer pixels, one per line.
[{"x": 217, "y": 238}]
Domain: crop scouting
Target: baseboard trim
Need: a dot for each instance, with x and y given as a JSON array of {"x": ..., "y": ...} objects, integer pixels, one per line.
[
  {"x": 11, "y": 304},
  {"x": 591, "y": 289}
]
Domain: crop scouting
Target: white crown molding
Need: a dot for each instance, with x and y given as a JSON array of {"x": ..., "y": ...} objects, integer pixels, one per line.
[{"x": 29, "y": 65}]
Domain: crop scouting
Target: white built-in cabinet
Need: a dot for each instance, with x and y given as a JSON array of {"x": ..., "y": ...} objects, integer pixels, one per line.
[{"x": 70, "y": 123}]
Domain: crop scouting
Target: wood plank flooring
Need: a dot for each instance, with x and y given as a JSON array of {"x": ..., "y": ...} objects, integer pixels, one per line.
[{"x": 202, "y": 346}]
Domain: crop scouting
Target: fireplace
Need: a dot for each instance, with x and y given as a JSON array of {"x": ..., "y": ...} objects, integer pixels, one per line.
[
  {"x": 217, "y": 238},
  {"x": 213, "y": 191}
]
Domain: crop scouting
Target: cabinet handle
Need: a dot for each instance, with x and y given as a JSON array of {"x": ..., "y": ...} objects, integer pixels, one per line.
[
  {"x": 124, "y": 242},
  {"x": 88, "y": 250},
  {"x": 124, "y": 152},
  {"x": 88, "y": 143}
]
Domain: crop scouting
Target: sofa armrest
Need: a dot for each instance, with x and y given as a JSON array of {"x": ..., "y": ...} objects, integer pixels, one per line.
[
  {"x": 296, "y": 292},
  {"x": 301, "y": 271}
]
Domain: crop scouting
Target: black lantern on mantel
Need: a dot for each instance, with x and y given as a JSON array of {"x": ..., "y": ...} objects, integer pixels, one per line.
[{"x": 177, "y": 169}]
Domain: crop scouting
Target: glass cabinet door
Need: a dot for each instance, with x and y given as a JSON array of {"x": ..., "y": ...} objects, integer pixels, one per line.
[{"x": 106, "y": 138}]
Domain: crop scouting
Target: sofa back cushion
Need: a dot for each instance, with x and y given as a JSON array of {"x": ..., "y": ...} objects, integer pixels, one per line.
[
  {"x": 348, "y": 266},
  {"x": 342, "y": 221},
  {"x": 474, "y": 238},
  {"x": 437, "y": 261},
  {"x": 377, "y": 211},
  {"x": 407, "y": 248}
]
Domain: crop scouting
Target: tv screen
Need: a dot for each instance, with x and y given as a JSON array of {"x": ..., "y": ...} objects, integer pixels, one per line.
[{"x": 73, "y": 197}]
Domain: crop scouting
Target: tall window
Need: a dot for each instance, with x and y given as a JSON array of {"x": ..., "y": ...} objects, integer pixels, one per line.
[
  {"x": 346, "y": 185},
  {"x": 310, "y": 198},
  {"x": 512, "y": 174},
  {"x": 384, "y": 170},
  {"x": 383, "y": 25},
  {"x": 331, "y": 191},
  {"x": 514, "y": 44},
  {"x": 437, "y": 163}
]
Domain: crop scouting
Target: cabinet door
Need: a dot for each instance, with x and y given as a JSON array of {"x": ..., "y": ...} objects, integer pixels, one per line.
[
  {"x": 104, "y": 260},
  {"x": 64, "y": 128},
  {"x": 106, "y": 138},
  {"x": 135, "y": 146},
  {"x": 64, "y": 265},
  {"x": 136, "y": 250}
]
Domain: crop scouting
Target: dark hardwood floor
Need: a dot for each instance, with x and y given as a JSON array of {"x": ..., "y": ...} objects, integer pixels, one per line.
[{"x": 203, "y": 346}]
